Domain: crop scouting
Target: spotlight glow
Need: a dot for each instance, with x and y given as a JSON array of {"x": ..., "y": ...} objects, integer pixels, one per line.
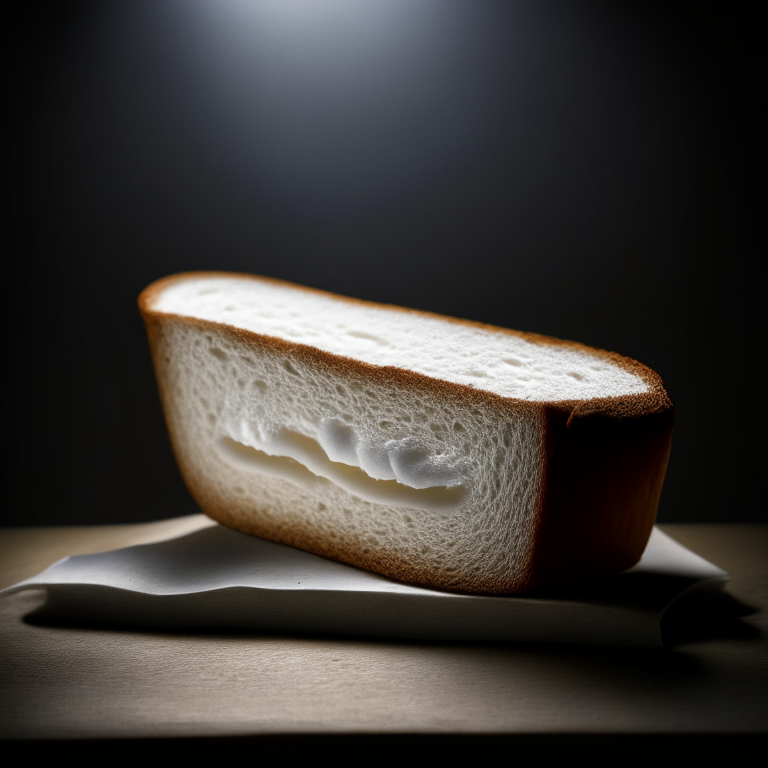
[{"x": 356, "y": 97}]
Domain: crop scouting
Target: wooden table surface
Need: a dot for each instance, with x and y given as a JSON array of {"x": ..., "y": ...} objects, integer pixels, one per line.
[{"x": 90, "y": 683}]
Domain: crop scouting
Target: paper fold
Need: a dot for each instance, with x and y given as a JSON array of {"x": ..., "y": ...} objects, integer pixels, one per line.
[{"x": 216, "y": 579}]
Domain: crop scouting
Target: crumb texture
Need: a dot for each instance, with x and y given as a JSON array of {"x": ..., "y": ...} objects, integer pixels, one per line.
[{"x": 365, "y": 470}]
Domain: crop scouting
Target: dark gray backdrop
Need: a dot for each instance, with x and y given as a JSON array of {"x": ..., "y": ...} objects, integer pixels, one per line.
[{"x": 580, "y": 169}]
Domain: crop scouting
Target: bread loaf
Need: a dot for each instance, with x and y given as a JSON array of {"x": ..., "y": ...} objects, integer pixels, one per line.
[{"x": 436, "y": 451}]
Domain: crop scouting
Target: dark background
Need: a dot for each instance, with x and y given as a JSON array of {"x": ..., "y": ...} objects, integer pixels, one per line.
[{"x": 576, "y": 168}]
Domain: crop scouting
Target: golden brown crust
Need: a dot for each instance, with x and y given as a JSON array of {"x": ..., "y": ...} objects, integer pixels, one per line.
[
  {"x": 600, "y": 491},
  {"x": 603, "y": 464}
]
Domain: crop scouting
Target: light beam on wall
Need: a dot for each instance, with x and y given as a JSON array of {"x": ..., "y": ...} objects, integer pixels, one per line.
[{"x": 354, "y": 99}]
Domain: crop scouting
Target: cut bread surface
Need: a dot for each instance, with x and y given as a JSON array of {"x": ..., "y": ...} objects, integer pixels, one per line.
[
  {"x": 504, "y": 363},
  {"x": 402, "y": 442}
]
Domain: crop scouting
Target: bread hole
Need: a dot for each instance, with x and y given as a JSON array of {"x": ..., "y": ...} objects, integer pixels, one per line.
[
  {"x": 230, "y": 308},
  {"x": 341, "y": 390},
  {"x": 385, "y": 424},
  {"x": 260, "y": 385},
  {"x": 437, "y": 428},
  {"x": 368, "y": 337},
  {"x": 212, "y": 418},
  {"x": 478, "y": 374},
  {"x": 321, "y": 507},
  {"x": 458, "y": 427},
  {"x": 347, "y": 512},
  {"x": 289, "y": 367},
  {"x": 513, "y": 361},
  {"x": 219, "y": 353},
  {"x": 206, "y": 291},
  {"x": 302, "y": 460},
  {"x": 241, "y": 383},
  {"x": 238, "y": 489},
  {"x": 576, "y": 375}
]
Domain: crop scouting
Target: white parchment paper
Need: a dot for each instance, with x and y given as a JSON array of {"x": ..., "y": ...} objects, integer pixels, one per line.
[{"x": 216, "y": 579}]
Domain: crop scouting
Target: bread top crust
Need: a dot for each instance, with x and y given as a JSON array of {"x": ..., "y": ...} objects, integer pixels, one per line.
[{"x": 653, "y": 401}]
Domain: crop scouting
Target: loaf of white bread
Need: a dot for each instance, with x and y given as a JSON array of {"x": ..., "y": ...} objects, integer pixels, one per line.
[{"x": 436, "y": 451}]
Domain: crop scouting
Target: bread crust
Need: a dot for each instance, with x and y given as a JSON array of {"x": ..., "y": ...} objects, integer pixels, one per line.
[{"x": 601, "y": 455}]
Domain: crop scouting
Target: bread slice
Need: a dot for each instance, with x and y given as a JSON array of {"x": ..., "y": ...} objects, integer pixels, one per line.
[{"x": 436, "y": 451}]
